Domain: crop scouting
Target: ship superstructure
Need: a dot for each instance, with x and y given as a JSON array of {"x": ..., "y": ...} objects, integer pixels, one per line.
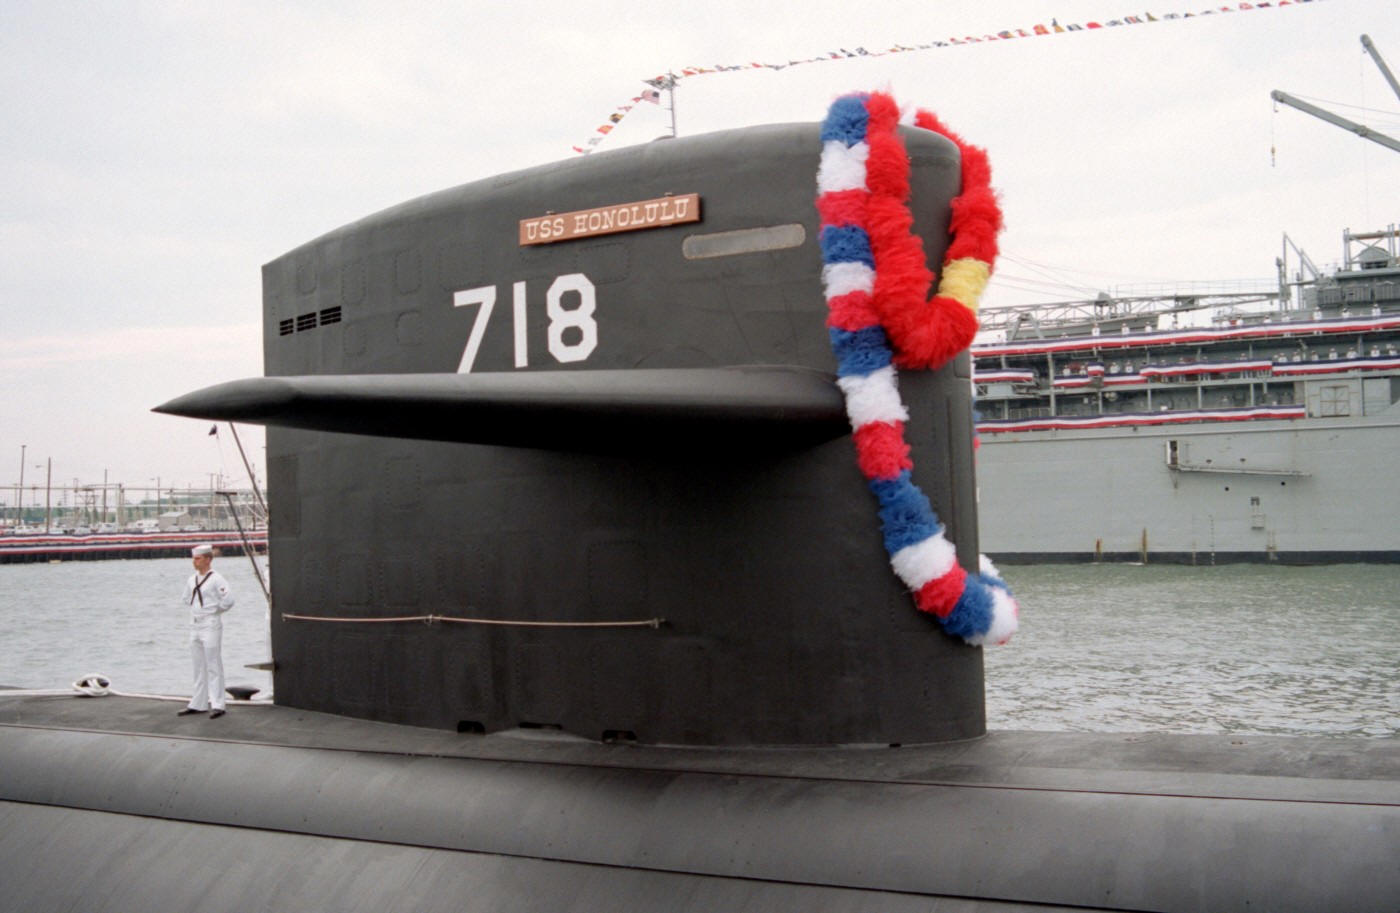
[{"x": 1246, "y": 426}]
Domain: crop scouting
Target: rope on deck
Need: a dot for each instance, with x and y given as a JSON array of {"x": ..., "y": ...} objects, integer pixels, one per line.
[{"x": 97, "y": 685}]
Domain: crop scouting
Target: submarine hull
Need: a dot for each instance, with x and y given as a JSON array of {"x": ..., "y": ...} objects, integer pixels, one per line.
[
  {"x": 576, "y": 509},
  {"x": 282, "y": 808}
]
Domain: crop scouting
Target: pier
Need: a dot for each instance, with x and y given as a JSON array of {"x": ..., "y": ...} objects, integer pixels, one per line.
[
  {"x": 99, "y": 547},
  {"x": 95, "y": 522}
]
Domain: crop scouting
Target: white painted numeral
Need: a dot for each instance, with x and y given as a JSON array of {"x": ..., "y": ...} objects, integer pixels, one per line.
[
  {"x": 486, "y": 297},
  {"x": 561, "y": 318},
  {"x": 522, "y": 352},
  {"x": 580, "y": 318}
]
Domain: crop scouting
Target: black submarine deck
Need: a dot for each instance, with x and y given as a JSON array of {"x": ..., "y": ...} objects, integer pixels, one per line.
[{"x": 116, "y": 803}]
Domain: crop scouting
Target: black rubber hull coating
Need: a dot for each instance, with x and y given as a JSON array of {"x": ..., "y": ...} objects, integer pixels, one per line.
[{"x": 111, "y": 821}]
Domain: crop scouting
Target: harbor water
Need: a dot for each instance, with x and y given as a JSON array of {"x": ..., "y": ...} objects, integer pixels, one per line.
[
  {"x": 1108, "y": 648},
  {"x": 124, "y": 620},
  {"x": 1243, "y": 648}
]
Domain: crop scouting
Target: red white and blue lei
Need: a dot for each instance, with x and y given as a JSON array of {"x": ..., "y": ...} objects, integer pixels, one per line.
[{"x": 877, "y": 283}]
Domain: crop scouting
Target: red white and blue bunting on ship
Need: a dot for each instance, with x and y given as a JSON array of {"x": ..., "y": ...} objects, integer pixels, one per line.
[
  {"x": 1094, "y": 374},
  {"x": 1138, "y": 419},
  {"x": 876, "y": 282},
  {"x": 1335, "y": 366},
  {"x": 1196, "y": 335},
  {"x": 1054, "y": 27}
]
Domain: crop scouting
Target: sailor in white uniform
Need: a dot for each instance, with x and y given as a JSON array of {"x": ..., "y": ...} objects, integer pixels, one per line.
[{"x": 208, "y": 597}]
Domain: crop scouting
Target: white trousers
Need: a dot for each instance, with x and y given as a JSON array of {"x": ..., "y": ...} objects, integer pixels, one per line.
[{"x": 206, "y": 642}]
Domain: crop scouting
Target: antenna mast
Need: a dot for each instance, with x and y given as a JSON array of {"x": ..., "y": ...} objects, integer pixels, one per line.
[{"x": 668, "y": 83}]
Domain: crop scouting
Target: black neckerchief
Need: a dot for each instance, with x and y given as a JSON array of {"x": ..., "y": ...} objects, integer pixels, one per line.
[{"x": 198, "y": 593}]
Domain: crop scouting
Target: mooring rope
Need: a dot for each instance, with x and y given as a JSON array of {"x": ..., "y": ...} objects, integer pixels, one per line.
[{"x": 98, "y": 685}]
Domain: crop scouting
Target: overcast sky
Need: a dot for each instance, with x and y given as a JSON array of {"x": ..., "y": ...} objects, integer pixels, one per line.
[{"x": 156, "y": 154}]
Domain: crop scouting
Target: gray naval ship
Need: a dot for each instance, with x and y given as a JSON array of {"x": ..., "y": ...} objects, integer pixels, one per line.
[
  {"x": 579, "y": 603},
  {"x": 1197, "y": 429}
]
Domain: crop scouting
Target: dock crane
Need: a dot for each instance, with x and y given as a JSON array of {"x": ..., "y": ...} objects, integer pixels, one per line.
[{"x": 1360, "y": 130}]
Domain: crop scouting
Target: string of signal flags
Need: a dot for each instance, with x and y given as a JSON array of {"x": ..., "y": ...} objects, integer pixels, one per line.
[{"x": 668, "y": 81}]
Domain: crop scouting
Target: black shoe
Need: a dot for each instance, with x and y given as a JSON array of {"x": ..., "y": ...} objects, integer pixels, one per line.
[
  {"x": 187, "y": 711},
  {"x": 216, "y": 714}
]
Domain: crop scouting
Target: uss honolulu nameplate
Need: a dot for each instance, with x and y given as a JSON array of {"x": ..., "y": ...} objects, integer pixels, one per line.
[{"x": 607, "y": 220}]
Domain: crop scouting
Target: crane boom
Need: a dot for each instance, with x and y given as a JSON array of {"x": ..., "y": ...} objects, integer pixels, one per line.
[
  {"x": 1360, "y": 130},
  {"x": 1380, "y": 62}
]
